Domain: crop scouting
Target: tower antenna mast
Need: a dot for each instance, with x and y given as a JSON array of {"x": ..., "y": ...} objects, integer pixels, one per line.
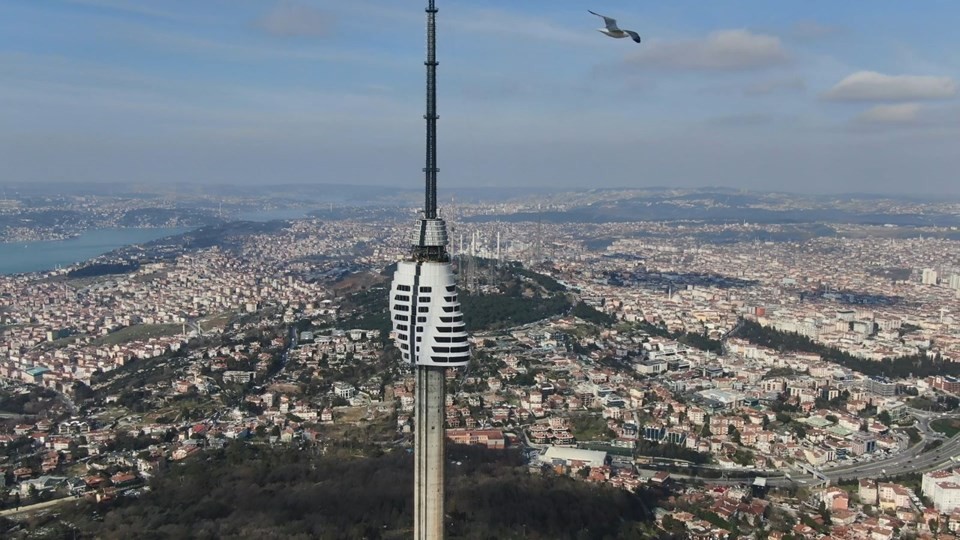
[{"x": 430, "y": 168}]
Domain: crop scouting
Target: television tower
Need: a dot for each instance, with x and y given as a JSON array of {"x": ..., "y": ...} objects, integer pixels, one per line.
[{"x": 428, "y": 324}]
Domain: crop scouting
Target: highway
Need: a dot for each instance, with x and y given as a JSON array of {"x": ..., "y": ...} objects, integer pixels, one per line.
[
  {"x": 913, "y": 459},
  {"x": 910, "y": 460}
]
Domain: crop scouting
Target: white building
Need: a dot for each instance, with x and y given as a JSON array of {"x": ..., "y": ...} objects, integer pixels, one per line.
[
  {"x": 955, "y": 281},
  {"x": 573, "y": 457},
  {"x": 344, "y": 390},
  {"x": 868, "y": 491},
  {"x": 943, "y": 488},
  {"x": 241, "y": 377},
  {"x": 929, "y": 276}
]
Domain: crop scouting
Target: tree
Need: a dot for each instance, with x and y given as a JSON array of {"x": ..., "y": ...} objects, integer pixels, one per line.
[
  {"x": 884, "y": 418},
  {"x": 902, "y": 366},
  {"x": 824, "y": 513},
  {"x": 82, "y": 392},
  {"x": 592, "y": 315}
]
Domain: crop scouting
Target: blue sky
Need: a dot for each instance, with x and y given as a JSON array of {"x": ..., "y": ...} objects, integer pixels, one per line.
[{"x": 804, "y": 96}]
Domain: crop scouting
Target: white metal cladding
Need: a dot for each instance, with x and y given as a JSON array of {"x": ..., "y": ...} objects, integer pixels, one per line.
[{"x": 426, "y": 315}]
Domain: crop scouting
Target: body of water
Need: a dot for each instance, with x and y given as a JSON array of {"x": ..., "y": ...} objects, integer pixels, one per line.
[{"x": 37, "y": 256}]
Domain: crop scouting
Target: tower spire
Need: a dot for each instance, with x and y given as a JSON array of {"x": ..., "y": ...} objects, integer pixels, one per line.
[{"x": 430, "y": 168}]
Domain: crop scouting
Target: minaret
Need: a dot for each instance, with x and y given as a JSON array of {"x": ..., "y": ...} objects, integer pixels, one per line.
[{"x": 428, "y": 324}]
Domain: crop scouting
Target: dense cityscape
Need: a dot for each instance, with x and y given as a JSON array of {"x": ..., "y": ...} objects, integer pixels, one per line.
[{"x": 789, "y": 388}]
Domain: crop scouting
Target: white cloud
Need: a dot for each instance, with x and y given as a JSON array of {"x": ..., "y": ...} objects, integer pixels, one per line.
[
  {"x": 724, "y": 50},
  {"x": 292, "y": 19},
  {"x": 515, "y": 25},
  {"x": 873, "y": 86},
  {"x": 901, "y": 113}
]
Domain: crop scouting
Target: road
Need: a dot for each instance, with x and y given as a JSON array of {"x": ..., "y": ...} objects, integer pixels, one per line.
[
  {"x": 911, "y": 460},
  {"x": 33, "y": 507},
  {"x": 294, "y": 340}
]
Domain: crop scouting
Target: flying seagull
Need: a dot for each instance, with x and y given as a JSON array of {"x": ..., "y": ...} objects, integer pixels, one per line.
[{"x": 613, "y": 31}]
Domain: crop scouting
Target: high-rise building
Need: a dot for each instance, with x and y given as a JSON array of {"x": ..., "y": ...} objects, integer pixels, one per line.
[
  {"x": 928, "y": 276},
  {"x": 428, "y": 324},
  {"x": 955, "y": 281}
]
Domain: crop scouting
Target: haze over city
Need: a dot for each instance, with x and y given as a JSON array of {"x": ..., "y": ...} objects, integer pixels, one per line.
[{"x": 795, "y": 96}]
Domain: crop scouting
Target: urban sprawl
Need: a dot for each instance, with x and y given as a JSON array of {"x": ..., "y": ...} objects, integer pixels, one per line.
[{"x": 755, "y": 379}]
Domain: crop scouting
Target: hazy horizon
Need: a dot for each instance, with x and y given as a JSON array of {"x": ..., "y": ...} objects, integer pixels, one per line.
[
  {"x": 800, "y": 97},
  {"x": 414, "y": 190}
]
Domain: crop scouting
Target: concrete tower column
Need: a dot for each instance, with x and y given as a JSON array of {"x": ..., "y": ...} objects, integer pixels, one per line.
[{"x": 429, "y": 454}]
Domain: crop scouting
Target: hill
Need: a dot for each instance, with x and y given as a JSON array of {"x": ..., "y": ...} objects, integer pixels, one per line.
[{"x": 248, "y": 491}]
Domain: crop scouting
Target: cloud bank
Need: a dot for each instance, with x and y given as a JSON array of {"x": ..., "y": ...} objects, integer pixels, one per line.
[
  {"x": 873, "y": 86},
  {"x": 901, "y": 113},
  {"x": 723, "y": 50}
]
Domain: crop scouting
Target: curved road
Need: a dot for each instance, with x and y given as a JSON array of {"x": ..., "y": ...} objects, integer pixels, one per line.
[{"x": 910, "y": 460}]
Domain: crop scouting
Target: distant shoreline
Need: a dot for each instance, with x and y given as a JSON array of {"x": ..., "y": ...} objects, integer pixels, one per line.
[{"x": 47, "y": 255}]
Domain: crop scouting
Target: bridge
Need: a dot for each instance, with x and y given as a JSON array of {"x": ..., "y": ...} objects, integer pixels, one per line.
[{"x": 817, "y": 475}]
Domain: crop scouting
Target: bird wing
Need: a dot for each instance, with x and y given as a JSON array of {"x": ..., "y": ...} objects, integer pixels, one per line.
[
  {"x": 634, "y": 35},
  {"x": 609, "y": 22}
]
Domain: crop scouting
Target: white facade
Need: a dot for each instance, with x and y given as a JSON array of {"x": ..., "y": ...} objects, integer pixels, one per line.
[
  {"x": 929, "y": 276},
  {"x": 946, "y": 497},
  {"x": 426, "y": 315},
  {"x": 573, "y": 457},
  {"x": 955, "y": 281},
  {"x": 344, "y": 390},
  {"x": 943, "y": 488}
]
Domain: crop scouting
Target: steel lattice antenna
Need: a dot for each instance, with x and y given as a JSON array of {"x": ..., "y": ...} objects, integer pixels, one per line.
[{"x": 430, "y": 168}]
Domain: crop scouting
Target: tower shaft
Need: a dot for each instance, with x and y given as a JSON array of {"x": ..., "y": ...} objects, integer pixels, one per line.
[{"x": 429, "y": 454}]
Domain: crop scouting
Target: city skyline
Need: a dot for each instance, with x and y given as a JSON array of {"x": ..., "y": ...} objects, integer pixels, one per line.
[{"x": 805, "y": 98}]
